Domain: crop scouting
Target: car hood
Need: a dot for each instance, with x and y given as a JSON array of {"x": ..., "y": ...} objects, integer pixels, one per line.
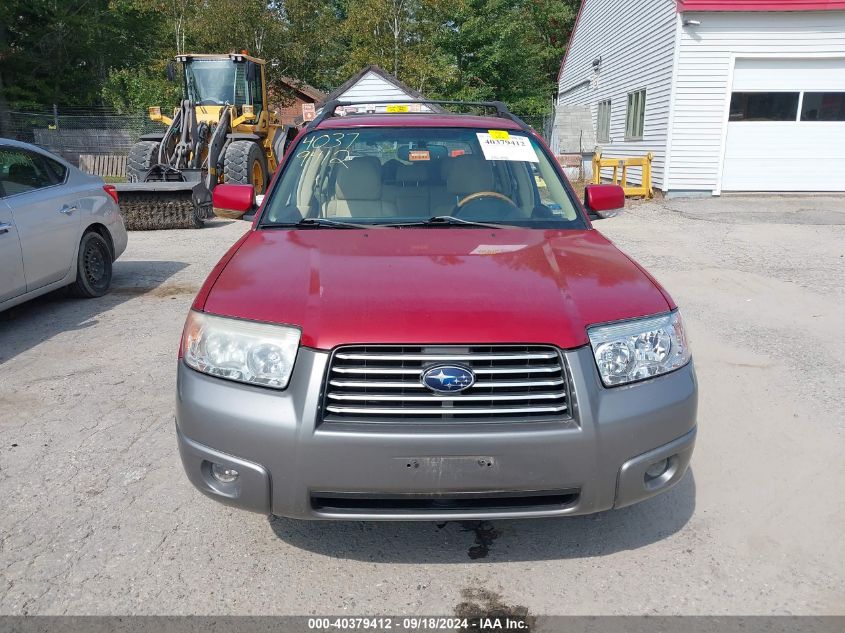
[{"x": 432, "y": 285}]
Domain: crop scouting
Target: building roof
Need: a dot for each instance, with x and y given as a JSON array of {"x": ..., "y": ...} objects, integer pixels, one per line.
[
  {"x": 372, "y": 68},
  {"x": 761, "y": 5},
  {"x": 308, "y": 90}
]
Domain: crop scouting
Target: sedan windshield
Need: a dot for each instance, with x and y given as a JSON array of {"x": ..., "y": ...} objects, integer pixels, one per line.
[{"x": 419, "y": 177}]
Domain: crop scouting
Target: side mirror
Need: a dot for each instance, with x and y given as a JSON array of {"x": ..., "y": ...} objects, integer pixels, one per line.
[
  {"x": 599, "y": 198},
  {"x": 171, "y": 71},
  {"x": 232, "y": 201}
]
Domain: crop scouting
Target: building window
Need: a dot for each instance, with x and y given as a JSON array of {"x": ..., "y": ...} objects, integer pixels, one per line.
[
  {"x": 636, "y": 116},
  {"x": 823, "y": 106},
  {"x": 603, "y": 122},
  {"x": 764, "y": 106}
]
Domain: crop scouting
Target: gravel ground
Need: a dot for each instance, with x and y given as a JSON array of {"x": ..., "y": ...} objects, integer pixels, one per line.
[{"x": 98, "y": 517}]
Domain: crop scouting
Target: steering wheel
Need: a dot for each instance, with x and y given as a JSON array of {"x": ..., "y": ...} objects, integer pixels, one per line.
[{"x": 478, "y": 195}]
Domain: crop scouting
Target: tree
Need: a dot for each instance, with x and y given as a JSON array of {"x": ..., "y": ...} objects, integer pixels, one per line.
[
  {"x": 232, "y": 25},
  {"x": 129, "y": 91},
  {"x": 396, "y": 34},
  {"x": 61, "y": 51},
  {"x": 5, "y": 18},
  {"x": 177, "y": 17},
  {"x": 315, "y": 45},
  {"x": 88, "y": 52},
  {"x": 506, "y": 50}
]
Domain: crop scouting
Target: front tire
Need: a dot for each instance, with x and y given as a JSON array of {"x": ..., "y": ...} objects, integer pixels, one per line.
[
  {"x": 244, "y": 163},
  {"x": 142, "y": 158},
  {"x": 93, "y": 267}
]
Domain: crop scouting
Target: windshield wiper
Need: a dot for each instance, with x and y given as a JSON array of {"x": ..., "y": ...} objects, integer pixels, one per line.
[
  {"x": 448, "y": 220},
  {"x": 437, "y": 220},
  {"x": 319, "y": 223}
]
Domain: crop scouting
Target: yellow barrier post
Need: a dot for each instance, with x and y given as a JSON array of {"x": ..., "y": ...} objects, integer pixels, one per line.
[{"x": 644, "y": 189}]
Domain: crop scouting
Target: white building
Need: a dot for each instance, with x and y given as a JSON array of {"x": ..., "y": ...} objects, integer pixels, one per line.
[
  {"x": 372, "y": 85},
  {"x": 729, "y": 95}
]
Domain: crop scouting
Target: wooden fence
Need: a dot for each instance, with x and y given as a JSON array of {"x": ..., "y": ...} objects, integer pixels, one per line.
[{"x": 107, "y": 165}]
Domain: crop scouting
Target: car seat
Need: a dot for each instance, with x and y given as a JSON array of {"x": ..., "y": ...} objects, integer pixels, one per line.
[{"x": 358, "y": 190}]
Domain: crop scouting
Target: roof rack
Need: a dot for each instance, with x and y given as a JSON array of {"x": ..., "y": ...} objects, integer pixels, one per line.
[{"x": 328, "y": 110}]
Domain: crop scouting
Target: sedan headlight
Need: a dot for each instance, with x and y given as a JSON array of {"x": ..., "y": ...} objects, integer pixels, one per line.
[
  {"x": 245, "y": 351},
  {"x": 639, "y": 349}
]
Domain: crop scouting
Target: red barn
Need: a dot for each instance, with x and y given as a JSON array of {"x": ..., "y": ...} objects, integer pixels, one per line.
[{"x": 288, "y": 101}]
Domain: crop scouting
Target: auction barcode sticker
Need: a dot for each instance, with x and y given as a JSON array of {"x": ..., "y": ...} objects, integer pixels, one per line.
[{"x": 516, "y": 148}]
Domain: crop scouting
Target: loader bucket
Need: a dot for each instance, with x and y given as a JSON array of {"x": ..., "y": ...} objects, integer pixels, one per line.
[{"x": 148, "y": 206}]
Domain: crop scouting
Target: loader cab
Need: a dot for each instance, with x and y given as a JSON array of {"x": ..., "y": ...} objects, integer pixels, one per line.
[{"x": 213, "y": 81}]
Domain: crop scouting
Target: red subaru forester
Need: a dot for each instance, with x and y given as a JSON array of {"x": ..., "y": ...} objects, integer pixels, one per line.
[{"x": 422, "y": 323}]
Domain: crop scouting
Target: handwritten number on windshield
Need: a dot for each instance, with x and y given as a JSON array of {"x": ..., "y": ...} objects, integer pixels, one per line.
[{"x": 336, "y": 145}]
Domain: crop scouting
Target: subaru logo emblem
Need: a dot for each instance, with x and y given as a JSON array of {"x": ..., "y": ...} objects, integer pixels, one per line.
[{"x": 447, "y": 378}]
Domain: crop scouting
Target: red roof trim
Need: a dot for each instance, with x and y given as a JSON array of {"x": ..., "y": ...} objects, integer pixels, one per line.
[
  {"x": 761, "y": 5},
  {"x": 571, "y": 39}
]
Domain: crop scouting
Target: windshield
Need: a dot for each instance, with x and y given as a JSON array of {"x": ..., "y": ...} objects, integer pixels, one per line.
[
  {"x": 211, "y": 82},
  {"x": 411, "y": 175}
]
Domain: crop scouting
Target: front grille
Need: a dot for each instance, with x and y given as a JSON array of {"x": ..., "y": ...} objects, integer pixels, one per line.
[
  {"x": 382, "y": 383},
  {"x": 527, "y": 501}
]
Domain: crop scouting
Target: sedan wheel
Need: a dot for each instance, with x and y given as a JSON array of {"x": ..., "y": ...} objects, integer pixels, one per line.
[{"x": 93, "y": 267}]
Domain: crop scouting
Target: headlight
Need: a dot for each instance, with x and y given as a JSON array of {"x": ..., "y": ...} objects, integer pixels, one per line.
[
  {"x": 634, "y": 350},
  {"x": 255, "y": 353}
]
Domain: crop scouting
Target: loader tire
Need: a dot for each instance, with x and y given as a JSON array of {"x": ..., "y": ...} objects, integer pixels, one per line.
[
  {"x": 244, "y": 163},
  {"x": 142, "y": 157}
]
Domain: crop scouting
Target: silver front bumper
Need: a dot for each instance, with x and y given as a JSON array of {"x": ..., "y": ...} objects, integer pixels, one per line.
[{"x": 291, "y": 465}]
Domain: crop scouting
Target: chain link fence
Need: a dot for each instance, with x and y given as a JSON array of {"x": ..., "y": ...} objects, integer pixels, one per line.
[
  {"x": 70, "y": 132},
  {"x": 541, "y": 124}
]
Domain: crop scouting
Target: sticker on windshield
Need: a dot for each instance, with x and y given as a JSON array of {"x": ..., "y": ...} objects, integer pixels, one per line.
[
  {"x": 419, "y": 154},
  {"x": 499, "y": 135},
  {"x": 397, "y": 107},
  {"x": 516, "y": 148}
]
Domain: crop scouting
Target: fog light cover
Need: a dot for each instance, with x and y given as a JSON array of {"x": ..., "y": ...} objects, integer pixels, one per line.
[
  {"x": 657, "y": 469},
  {"x": 224, "y": 474}
]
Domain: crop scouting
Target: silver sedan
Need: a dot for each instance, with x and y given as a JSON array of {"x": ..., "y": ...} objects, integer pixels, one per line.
[{"x": 58, "y": 226}]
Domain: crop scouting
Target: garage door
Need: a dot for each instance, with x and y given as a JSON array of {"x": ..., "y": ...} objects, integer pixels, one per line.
[{"x": 786, "y": 130}]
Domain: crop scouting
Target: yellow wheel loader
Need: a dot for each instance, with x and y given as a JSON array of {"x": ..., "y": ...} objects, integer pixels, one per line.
[{"x": 223, "y": 131}]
